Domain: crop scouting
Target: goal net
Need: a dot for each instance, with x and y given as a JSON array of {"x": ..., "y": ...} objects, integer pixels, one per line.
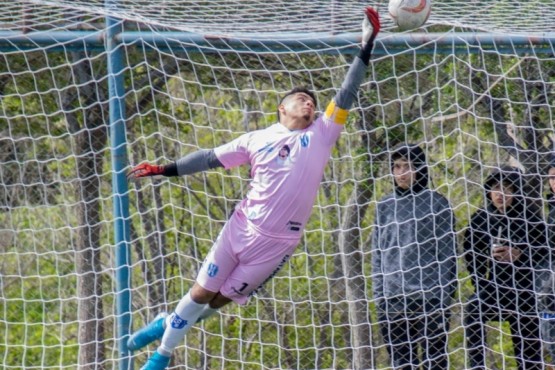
[{"x": 473, "y": 87}]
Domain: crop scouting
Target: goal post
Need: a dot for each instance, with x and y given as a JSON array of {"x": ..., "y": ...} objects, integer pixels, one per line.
[
  {"x": 88, "y": 258},
  {"x": 116, "y": 87}
]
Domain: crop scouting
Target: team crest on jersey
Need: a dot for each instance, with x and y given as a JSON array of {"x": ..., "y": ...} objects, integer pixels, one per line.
[
  {"x": 305, "y": 139},
  {"x": 283, "y": 154},
  {"x": 212, "y": 269}
]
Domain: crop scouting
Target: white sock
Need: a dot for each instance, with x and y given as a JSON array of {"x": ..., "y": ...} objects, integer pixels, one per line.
[
  {"x": 178, "y": 324},
  {"x": 206, "y": 312}
]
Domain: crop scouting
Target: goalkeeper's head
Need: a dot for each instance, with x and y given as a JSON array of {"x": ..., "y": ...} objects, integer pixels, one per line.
[{"x": 289, "y": 104}]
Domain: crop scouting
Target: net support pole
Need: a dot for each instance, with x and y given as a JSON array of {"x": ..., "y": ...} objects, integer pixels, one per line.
[{"x": 118, "y": 142}]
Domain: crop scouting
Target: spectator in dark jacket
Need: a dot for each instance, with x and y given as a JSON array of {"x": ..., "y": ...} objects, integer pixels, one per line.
[
  {"x": 504, "y": 246},
  {"x": 414, "y": 267}
]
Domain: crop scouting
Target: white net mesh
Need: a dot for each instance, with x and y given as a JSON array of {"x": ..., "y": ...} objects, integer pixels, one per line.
[
  {"x": 236, "y": 17},
  {"x": 473, "y": 106}
]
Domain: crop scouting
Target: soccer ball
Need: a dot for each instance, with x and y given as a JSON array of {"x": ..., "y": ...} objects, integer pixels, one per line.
[{"x": 409, "y": 14}]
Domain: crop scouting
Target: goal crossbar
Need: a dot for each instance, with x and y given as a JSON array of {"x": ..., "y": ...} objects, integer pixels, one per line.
[{"x": 344, "y": 43}]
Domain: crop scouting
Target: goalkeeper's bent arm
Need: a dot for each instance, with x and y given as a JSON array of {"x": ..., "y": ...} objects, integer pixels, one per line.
[{"x": 198, "y": 161}]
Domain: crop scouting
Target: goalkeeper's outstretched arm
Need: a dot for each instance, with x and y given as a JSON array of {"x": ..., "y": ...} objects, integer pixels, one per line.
[
  {"x": 348, "y": 92},
  {"x": 198, "y": 161},
  {"x": 203, "y": 160}
]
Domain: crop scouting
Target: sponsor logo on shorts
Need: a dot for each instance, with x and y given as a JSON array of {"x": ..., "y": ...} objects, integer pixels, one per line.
[
  {"x": 212, "y": 269},
  {"x": 177, "y": 322}
]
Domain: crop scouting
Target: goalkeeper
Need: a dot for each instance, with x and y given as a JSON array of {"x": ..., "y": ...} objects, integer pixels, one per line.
[{"x": 287, "y": 163}]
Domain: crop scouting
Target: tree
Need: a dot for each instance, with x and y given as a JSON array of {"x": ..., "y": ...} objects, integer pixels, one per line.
[{"x": 85, "y": 114}]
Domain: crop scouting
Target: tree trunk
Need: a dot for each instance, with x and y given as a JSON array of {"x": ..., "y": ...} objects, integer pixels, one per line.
[
  {"x": 522, "y": 140},
  {"x": 355, "y": 281},
  {"x": 89, "y": 289},
  {"x": 90, "y": 143}
]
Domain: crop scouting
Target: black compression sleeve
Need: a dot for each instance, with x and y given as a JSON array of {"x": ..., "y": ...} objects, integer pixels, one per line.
[
  {"x": 366, "y": 52},
  {"x": 170, "y": 170}
]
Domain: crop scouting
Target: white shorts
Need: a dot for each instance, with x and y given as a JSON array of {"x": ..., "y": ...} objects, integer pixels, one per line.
[{"x": 242, "y": 260}]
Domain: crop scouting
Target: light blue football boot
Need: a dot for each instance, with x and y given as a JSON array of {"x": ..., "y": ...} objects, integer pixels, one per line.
[
  {"x": 156, "y": 362},
  {"x": 148, "y": 334}
]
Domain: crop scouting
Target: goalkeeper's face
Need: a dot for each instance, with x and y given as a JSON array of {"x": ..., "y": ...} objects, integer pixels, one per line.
[{"x": 297, "y": 111}]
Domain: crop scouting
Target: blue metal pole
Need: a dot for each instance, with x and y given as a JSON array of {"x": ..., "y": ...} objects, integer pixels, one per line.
[{"x": 116, "y": 88}]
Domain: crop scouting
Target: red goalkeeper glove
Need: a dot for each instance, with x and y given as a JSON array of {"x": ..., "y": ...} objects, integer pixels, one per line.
[
  {"x": 370, "y": 26},
  {"x": 144, "y": 170}
]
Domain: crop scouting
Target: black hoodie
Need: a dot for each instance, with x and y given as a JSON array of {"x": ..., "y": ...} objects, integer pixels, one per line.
[{"x": 509, "y": 285}]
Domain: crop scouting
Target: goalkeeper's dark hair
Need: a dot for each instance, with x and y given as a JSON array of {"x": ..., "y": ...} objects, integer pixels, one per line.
[{"x": 297, "y": 90}]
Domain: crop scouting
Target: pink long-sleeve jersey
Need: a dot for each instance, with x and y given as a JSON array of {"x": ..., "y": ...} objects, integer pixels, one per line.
[{"x": 286, "y": 170}]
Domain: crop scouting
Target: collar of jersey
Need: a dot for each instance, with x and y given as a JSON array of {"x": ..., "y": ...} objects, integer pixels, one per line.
[{"x": 282, "y": 127}]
